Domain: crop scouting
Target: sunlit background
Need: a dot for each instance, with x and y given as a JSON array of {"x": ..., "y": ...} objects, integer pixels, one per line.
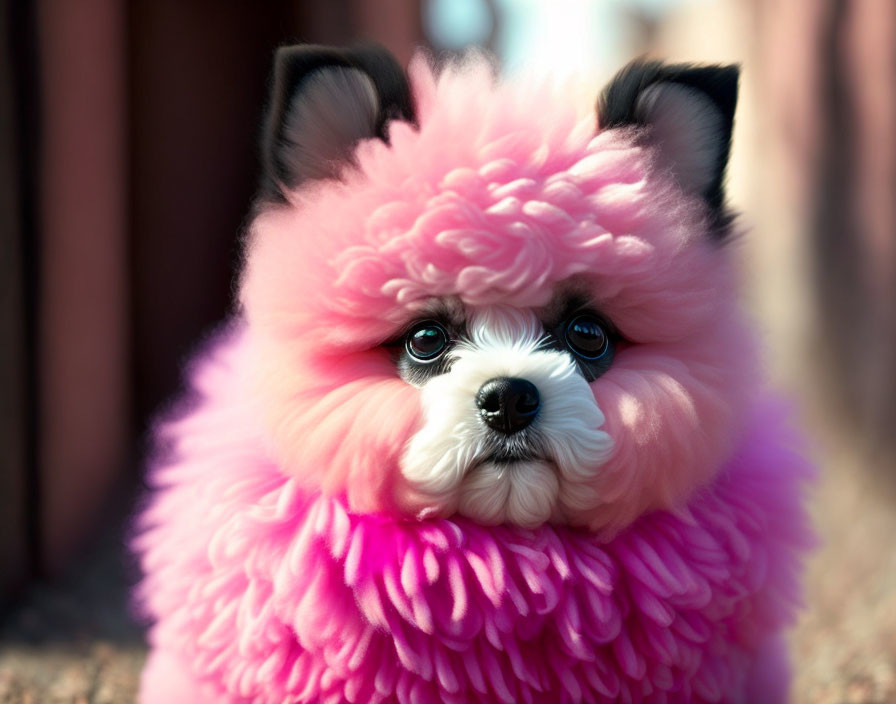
[{"x": 127, "y": 131}]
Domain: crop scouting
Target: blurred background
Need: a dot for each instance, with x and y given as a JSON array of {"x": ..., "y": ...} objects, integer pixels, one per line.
[{"x": 127, "y": 134}]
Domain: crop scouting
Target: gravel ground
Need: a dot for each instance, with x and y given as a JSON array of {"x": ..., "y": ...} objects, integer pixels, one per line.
[
  {"x": 73, "y": 642},
  {"x": 845, "y": 644}
]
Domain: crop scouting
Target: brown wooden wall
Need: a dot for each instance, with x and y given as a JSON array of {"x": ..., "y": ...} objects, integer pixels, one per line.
[
  {"x": 829, "y": 81},
  {"x": 123, "y": 237},
  {"x": 16, "y": 299}
]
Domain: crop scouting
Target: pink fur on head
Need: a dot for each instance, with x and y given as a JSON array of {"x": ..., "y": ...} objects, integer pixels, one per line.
[{"x": 500, "y": 197}]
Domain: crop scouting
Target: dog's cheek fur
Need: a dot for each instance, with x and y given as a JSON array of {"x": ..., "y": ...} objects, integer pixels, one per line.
[
  {"x": 336, "y": 422},
  {"x": 676, "y": 397},
  {"x": 675, "y": 412}
]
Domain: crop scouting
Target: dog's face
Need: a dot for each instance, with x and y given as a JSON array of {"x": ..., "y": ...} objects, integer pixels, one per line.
[{"x": 469, "y": 298}]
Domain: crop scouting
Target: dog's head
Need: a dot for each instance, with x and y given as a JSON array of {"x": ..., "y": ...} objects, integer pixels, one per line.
[{"x": 475, "y": 298}]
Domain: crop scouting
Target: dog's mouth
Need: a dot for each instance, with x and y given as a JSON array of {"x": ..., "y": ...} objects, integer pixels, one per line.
[
  {"x": 524, "y": 447},
  {"x": 512, "y": 457}
]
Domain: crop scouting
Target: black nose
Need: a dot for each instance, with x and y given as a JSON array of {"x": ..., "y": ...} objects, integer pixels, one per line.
[{"x": 508, "y": 405}]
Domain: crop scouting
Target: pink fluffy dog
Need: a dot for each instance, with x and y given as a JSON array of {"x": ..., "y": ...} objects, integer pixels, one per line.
[{"x": 488, "y": 424}]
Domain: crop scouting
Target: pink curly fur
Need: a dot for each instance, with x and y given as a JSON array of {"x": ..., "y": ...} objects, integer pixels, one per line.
[{"x": 281, "y": 562}]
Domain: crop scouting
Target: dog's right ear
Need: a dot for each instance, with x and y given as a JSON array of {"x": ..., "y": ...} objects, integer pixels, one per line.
[
  {"x": 687, "y": 112},
  {"x": 323, "y": 101}
]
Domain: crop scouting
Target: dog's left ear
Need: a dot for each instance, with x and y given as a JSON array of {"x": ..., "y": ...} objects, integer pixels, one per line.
[
  {"x": 323, "y": 101},
  {"x": 689, "y": 114}
]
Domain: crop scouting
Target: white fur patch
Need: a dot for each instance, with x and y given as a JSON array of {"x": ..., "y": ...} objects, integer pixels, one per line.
[{"x": 447, "y": 463}]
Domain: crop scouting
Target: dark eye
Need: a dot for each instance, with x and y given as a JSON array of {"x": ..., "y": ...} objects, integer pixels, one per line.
[
  {"x": 586, "y": 336},
  {"x": 426, "y": 341}
]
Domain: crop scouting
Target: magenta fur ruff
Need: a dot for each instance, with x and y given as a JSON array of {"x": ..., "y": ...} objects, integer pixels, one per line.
[{"x": 285, "y": 556}]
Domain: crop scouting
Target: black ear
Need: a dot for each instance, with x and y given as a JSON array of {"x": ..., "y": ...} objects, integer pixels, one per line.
[
  {"x": 323, "y": 101},
  {"x": 689, "y": 111}
]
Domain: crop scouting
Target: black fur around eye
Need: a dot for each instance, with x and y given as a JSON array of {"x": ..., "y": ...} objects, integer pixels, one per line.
[
  {"x": 586, "y": 337},
  {"x": 427, "y": 341}
]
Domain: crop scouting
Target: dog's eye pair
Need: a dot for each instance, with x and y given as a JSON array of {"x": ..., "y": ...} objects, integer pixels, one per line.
[
  {"x": 427, "y": 341},
  {"x": 584, "y": 334}
]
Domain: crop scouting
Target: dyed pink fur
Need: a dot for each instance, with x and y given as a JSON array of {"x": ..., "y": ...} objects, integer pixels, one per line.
[{"x": 280, "y": 564}]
